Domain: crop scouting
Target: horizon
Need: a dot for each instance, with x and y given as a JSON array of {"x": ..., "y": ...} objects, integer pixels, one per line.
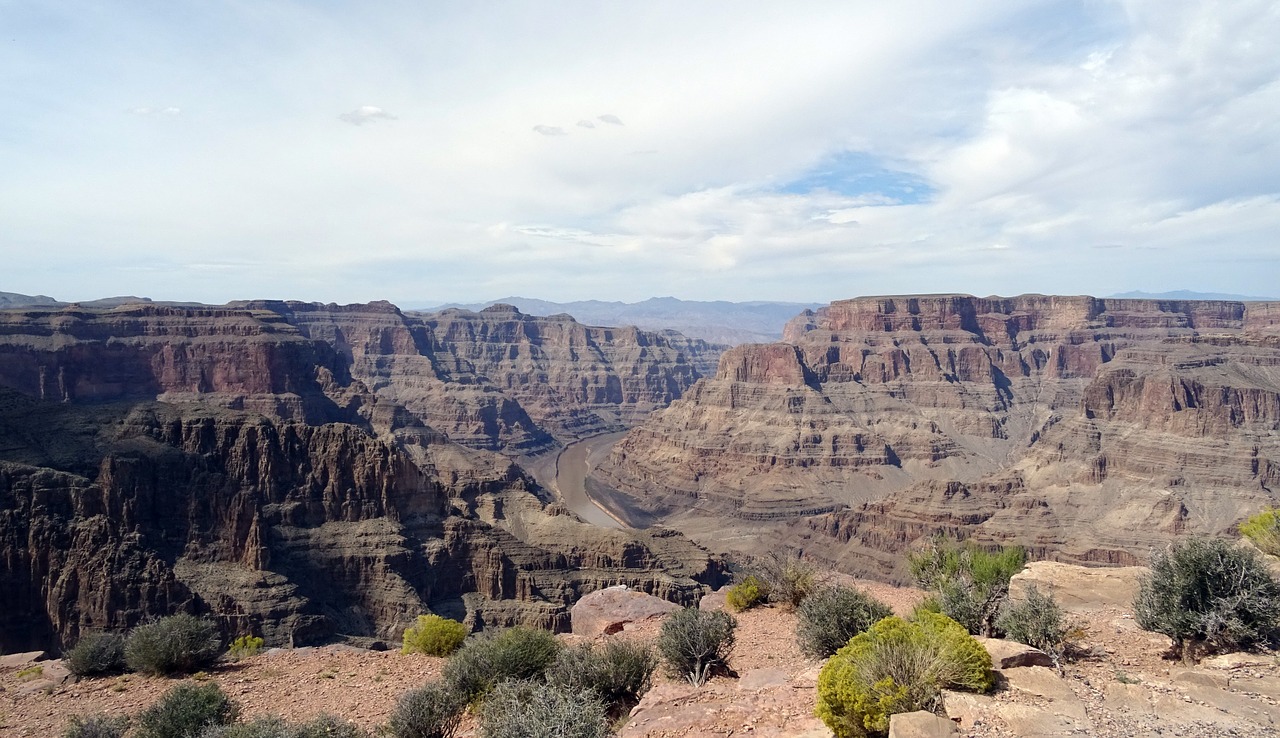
[{"x": 719, "y": 152}]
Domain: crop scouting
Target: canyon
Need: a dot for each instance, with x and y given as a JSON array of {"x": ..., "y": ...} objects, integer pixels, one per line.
[
  {"x": 1088, "y": 430},
  {"x": 312, "y": 472}
]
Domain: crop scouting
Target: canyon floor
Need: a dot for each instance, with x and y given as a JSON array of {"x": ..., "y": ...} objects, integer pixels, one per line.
[{"x": 1121, "y": 685}]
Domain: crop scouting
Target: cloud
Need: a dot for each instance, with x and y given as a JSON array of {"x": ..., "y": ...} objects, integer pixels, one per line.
[
  {"x": 584, "y": 123},
  {"x": 156, "y": 111},
  {"x": 365, "y": 114},
  {"x": 550, "y": 130},
  {"x": 612, "y": 120}
]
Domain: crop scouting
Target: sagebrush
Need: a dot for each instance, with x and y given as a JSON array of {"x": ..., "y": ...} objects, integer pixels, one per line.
[
  {"x": 829, "y": 617},
  {"x": 696, "y": 643},
  {"x": 747, "y": 594},
  {"x": 185, "y": 711},
  {"x": 1208, "y": 595},
  {"x": 174, "y": 644},
  {"x": 787, "y": 579},
  {"x": 488, "y": 659},
  {"x": 431, "y": 711},
  {"x": 969, "y": 582},
  {"x": 1038, "y": 621},
  {"x": 96, "y": 726},
  {"x": 618, "y": 672},
  {"x": 530, "y": 709},
  {"x": 96, "y": 653}
]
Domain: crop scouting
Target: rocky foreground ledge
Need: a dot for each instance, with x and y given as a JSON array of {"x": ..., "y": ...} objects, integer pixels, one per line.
[{"x": 1123, "y": 687}]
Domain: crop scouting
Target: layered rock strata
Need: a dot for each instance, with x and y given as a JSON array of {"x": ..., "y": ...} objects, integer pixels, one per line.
[
  {"x": 1087, "y": 429},
  {"x": 258, "y": 463}
]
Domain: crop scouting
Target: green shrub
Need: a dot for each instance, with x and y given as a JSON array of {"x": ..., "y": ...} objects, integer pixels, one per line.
[
  {"x": 787, "y": 579},
  {"x": 486, "y": 660},
  {"x": 829, "y": 617},
  {"x": 694, "y": 643},
  {"x": 1263, "y": 530},
  {"x": 96, "y": 726},
  {"x": 619, "y": 672},
  {"x": 747, "y": 594},
  {"x": 432, "y": 711},
  {"x": 1208, "y": 595},
  {"x": 244, "y": 647},
  {"x": 970, "y": 583},
  {"x": 185, "y": 711},
  {"x": 898, "y": 666},
  {"x": 1037, "y": 621},
  {"x": 96, "y": 653},
  {"x": 529, "y": 709},
  {"x": 434, "y": 636},
  {"x": 322, "y": 726},
  {"x": 175, "y": 644}
]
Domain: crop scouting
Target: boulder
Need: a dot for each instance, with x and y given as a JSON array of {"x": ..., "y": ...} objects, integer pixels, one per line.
[
  {"x": 607, "y": 611},
  {"x": 920, "y": 724},
  {"x": 1006, "y": 654}
]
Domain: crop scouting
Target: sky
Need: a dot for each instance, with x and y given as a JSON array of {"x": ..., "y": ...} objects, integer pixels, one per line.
[{"x": 425, "y": 152}]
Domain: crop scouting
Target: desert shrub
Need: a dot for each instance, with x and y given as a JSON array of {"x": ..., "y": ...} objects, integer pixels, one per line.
[
  {"x": 174, "y": 644},
  {"x": 185, "y": 711},
  {"x": 694, "y": 643},
  {"x": 96, "y": 653},
  {"x": 1263, "y": 530},
  {"x": 898, "y": 666},
  {"x": 1037, "y": 621},
  {"x": 1208, "y": 595},
  {"x": 529, "y": 709},
  {"x": 244, "y": 647},
  {"x": 325, "y": 725},
  {"x": 619, "y": 672},
  {"x": 96, "y": 726},
  {"x": 747, "y": 594},
  {"x": 829, "y": 617},
  {"x": 432, "y": 711},
  {"x": 434, "y": 636},
  {"x": 970, "y": 583},
  {"x": 787, "y": 579},
  {"x": 486, "y": 660}
]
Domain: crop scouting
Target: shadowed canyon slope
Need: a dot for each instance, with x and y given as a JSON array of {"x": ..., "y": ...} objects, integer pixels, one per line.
[
  {"x": 1087, "y": 429},
  {"x": 292, "y": 468}
]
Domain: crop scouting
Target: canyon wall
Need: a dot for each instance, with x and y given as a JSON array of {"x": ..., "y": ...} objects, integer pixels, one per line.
[
  {"x": 289, "y": 469},
  {"x": 1087, "y": 429}
]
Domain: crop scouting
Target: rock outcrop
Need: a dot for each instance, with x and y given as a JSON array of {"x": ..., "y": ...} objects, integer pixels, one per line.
[
  {"x": 1087, "y": 429},
  {"x": 275, "y": 465}
]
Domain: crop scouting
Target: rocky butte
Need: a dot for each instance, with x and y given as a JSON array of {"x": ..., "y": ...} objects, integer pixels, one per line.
[
  {"x": 1088, "y": 430},
  {"x": 313, "y": 472}
]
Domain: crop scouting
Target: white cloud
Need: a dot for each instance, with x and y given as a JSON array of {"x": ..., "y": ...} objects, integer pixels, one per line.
[
  {"x": 550, "y": 130},
  {"x": 365, "y": 114},
  {"x": 612, "y": 120},
  {"x": 586, "y": 124}
]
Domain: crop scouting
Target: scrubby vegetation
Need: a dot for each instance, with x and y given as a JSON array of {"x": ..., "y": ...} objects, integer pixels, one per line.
[
  {"x": 432, "y": 711},
  {"x": 322, "y": 726},
  {"x": 530, "y": 709},
  {"x": 829, "y": 617},
  {"x": 618, "y": 672},
  {"x": 969, "y": 583},
  {"x": 898, "y": 666},
  {"x": 695, "y": 643},
  {"x": 244, "y": 647},
  {"x": 174, "y": 644},
  {"x": 747, "y": 594},
  {"x": 185, "y": 711},
  {"x": 1037, "y": 621},
  {"x": 96, "y": 653},
  {"x": 434, "y": 636},
  {"x": 1263, "y": 530},
  {"x": 486, "y": 660},
  {"x": 96, "y": 726},
  {"x": 1208, "y": 595},
  {"x": 787, "y": 579}
]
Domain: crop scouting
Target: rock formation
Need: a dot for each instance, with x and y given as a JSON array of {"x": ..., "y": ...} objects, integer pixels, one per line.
[
  {"x": 276, "y": 465},
  {"x": 1087, "y": 429}
]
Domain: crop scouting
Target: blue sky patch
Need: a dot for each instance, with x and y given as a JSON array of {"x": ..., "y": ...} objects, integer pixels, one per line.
[{"x": 854, "y": 174}]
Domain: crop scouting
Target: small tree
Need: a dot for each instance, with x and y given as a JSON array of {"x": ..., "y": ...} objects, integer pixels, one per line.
[
  {"x": 1208, "y": 595},
  {"x": 970, "y": 583},
  {"x": 694, "y": 643}
]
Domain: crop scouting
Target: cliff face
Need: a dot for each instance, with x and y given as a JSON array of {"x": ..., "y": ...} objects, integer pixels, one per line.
[
  {"x": 1086, "y": 428},
  {"x": 257, "y": 463}
]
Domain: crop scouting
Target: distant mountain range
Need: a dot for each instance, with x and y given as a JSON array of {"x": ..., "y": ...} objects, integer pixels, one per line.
[
  {"x": 1188, "y": 295},
  {"x": 721, "y": 322},
  {"x": 15, "y": 300}
]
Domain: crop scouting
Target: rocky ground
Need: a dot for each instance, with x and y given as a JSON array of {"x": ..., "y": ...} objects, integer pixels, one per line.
[{"x": 1120, "y": 686}]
